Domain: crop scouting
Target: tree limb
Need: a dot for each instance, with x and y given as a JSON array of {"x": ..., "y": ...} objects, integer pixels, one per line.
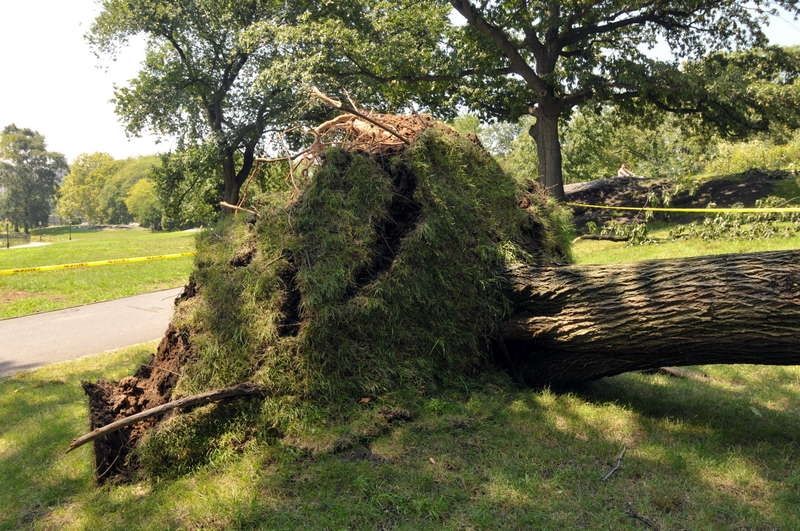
[
  {"x": 237, "y": 391},
  {"x": 502, "y": 41}
]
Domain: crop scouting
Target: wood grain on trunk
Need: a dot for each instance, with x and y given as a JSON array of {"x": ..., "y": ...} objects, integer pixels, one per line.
[{"x": 577, "y": 323}]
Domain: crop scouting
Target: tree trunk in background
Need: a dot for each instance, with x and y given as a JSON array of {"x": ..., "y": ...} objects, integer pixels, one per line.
[
  {"x": 231, "y": 191},
  {"x": 578, "y": 323},
  {"x": 548, "y": 150}
]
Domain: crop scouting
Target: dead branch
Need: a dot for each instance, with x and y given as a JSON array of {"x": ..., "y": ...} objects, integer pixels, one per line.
[
  {"x": 237, "y": 391},
  {"x": 616, "y": 465},
  {"x": 225, "y": 204}
]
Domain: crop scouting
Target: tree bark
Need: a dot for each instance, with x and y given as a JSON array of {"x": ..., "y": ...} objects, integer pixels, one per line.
[
  {"x": 578, "y": 323},
  {"x": 548, "y": 150},
  {"x": 230, "y": 179}
]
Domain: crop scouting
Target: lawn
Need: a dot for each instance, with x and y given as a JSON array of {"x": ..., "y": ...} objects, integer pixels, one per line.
[
  {"x": 607, "y": 252},
  {"x": 28, "y": 293},
  {"x": 719, "y": 451}
]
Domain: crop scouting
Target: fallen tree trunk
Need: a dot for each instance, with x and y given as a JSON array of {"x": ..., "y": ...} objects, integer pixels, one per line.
[
  {"x": 578, "y": 323},
  {"x": 378, "y": 272}
]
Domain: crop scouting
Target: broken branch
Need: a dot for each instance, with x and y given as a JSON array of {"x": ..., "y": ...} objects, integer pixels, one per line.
[
  {"x": 616, "y": 465},
  {"x": 225, "y": 204},
  {"x": 237, "y": 391}
]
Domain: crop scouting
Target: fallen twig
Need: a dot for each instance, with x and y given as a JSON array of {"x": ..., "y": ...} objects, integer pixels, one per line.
[
  {"x": 643, "y": 519},
  {"x": 617, "y": 464},
  {"x": 677, "y": 372},
  {"x": 241, "y": 390}
]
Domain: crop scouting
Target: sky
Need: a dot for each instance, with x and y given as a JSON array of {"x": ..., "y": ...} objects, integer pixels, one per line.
[{"x": 50, "y": 80}]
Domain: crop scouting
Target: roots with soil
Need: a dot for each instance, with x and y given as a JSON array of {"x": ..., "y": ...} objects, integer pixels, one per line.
[
  {"x": 401, "y": 261},
  {"x": 379, "y": 269}
]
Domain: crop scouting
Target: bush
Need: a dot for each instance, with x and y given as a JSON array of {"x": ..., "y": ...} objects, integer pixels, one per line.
[{"x": 763, "y": 154}]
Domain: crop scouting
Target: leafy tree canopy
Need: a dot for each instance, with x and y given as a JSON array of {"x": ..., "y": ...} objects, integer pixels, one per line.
[
  {"x": 197, "y": 82},
  {"x": 29, "y": 177},
  {"x": 96, "y": 186},
  {"x": 143, "y": 204},
  {"x": 565, "y": 54},
  {"x": 510, "y": 58}
]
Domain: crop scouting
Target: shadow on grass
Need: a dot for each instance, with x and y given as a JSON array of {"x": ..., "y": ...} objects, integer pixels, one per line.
[
  {"x": 697, "y": 456},
  {"x": 40, "y": 412}
]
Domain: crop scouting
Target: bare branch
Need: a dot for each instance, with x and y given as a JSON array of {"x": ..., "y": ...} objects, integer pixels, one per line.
[
  {"x": 503, "y": 42},
  {"x": 237, "y": 391}
]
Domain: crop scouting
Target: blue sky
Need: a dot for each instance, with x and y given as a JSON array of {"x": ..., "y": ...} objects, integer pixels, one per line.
[{"x": 51, "y": 82}]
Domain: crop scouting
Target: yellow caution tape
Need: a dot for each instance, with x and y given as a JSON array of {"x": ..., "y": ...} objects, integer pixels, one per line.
[
  {"x": 76, "y": 265},
  {"x": 774, "y": 210}
]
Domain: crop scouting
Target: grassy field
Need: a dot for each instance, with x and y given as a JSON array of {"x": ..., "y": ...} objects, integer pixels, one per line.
[
  {"x": 606, "y": 252},
  {"x": 42, "y": 291},
  {"x": 717, "y": 452}
]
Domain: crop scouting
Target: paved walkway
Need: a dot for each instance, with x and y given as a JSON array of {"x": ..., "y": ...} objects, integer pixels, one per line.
[{"x": 35, "y": 340}]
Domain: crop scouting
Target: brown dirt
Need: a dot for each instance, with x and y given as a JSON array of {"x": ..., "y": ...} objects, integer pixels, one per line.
[
  {"x": 15, "y": 295},
  {"x": 743, "y": 188},
  {"x": 150, "y": 386}
]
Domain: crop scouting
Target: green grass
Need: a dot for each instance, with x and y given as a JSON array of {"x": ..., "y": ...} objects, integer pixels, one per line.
[
  {"x": 718, "y": 453},
  {"x": 606, "y": 252},
  {"x": 28, "y": 293}
]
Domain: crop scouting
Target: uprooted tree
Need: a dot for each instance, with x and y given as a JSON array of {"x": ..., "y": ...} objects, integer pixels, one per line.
[{"x": 397, "y": 256}]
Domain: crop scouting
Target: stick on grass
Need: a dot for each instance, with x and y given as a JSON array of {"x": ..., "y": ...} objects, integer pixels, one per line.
[{"x": 237, "y": 391}]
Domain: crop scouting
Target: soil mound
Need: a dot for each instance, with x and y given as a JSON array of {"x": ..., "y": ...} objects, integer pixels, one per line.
[{"x": 378, "y": 267}]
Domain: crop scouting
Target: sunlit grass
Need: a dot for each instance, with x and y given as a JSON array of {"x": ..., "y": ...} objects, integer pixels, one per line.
[
  {"x": 28, "y": 293},
  {"x": 606, "y": 252},
  {"x": 719, "y": 452}
]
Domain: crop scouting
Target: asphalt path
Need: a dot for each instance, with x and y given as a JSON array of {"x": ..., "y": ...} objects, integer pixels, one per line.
[{"x": 36, "y": 340}]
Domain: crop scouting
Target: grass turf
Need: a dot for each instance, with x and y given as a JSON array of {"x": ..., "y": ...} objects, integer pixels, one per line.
[
  {"x": 715, "y": 453},
  {"x": 28, "y": 293}
]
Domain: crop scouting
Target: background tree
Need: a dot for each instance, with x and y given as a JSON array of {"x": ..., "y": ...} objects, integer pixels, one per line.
[
  {"x": 197, "y": 82},
  {"x": 126, "y": 174},
  {"x": 560, "y": 55},
  {"x": 29, "y": 176},
  {"x": 95, "y": 189},
  {"x": 143, "y": 204},
  {"x": 80, "y": 193},
  {"x": 596, "y": 144}
]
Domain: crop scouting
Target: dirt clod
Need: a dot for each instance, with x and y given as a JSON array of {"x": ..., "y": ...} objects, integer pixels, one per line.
[{"x": 150, "y": 386}]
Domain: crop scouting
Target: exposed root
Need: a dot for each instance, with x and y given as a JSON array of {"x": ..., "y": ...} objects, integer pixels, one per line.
[{"x": 354, "y": 133}]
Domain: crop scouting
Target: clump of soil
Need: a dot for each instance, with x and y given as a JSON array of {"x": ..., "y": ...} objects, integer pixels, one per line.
[
  {"x": 743, "y": 188},
  {"x": 150, "y": 386},
  {"x": 379, "y": 267}
]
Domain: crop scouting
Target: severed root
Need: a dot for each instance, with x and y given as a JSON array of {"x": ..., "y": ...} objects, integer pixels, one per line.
[
  {"x": 366, "y": 131},
  {"x": 237, "y": 391},
  {"x": 351, "y": 109}
]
